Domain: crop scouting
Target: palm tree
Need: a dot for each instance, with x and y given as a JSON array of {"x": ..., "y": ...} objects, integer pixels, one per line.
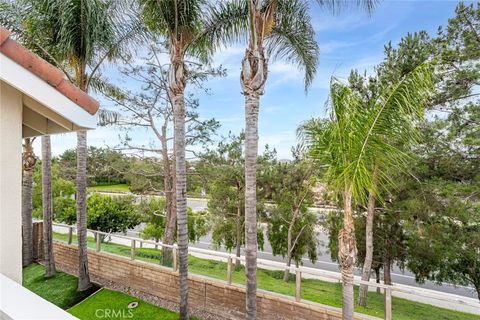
[
  {"x": 47, "y": 206},
  {"x": 78, "y": 37},
  {"x": 192, "y": 29},
  {"x": 351, "y": 144},
  {"x": 28, "y": 163},
  {"x": 285, "y": 29}
]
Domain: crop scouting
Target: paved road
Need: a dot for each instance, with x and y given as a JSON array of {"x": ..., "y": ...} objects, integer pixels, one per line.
[{"x": 324, "y": 261}]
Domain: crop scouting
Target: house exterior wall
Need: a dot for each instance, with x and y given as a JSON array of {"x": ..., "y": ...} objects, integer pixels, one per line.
[{"x": 10, "y": 182}]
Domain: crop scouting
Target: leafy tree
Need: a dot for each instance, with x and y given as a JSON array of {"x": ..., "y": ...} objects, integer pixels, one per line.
[
  {"x": 458, "y": 53},
  {"x": 223, "y": 168},
  {"x": 64, "y": 210},
  {"x": 440, "y": 208},
  {"x": 291, "y": 228},
  {"x": 111, "y": 214},
  {"x": 60, "y": 188},
  {"x": 104, "y": 166},
  {"x": 149, "y": 108},
  {"x": 153, "y": 213},
  {"x": 444, "y": 232}
]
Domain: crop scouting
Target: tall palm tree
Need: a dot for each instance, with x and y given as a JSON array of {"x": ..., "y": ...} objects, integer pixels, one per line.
[
  {"x": 284, "y": 28},
  {"x": 78, "y": 37},
  {"x": 47, "y": 206},
  {"x": 28, "y": 164},
  {"x": 276, "y": 29},
  {"x": 351, "y": 142},
  {"x": 191, "y": 29}
]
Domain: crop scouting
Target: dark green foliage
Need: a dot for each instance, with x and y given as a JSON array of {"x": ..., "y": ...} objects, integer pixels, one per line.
[
  {"x": 104, "y": 166},
  {"x": 223, "y": 168},
  {"x": 291, "y": 192},
  {"x": 152, "y": 212},
  {"x": 304, "y": 234},
  {"x": 60, "y": 188},
  {"x": 65, "y": 210},
  {"x": 111, "y": 213}
]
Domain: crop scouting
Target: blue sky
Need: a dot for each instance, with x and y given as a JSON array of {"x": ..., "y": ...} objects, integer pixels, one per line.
[{"x": 350, "y": 40}]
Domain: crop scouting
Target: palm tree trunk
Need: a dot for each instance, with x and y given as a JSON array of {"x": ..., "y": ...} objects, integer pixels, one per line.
[
  {"x": 347, "y": 254},
  {"x": 181, "y": 192},
  {"x": 170, "y": 214},
  {"x": 27, "y": 227},
  {"x": 47, "y": 206},
  {"x": 367, "y": 265},
  {"x": 251, "y": 151},
  {"x": 83, "y": 275},
  {"x": 176, "y": 95}
]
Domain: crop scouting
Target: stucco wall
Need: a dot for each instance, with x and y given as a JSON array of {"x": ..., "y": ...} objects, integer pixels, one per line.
[{"x": 10, "y": 182}]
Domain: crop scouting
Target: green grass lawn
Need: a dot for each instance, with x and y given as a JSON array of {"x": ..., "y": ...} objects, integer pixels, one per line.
[
  {"x": 60, "y": 289},
  {"x": 113, "y": 304},
  {"x": 110, "y": 188},
  {"x": 314, "y": 290}
]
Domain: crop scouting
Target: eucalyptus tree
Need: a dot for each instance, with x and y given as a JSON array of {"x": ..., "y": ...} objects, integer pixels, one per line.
[
  {"x": 78, "y": 37},
  {"x": 351, "y": 141},
  {"x": 149, "y": 107},
  {"x": 291, "y": 230},
  {"x": 28, "y": 164}
]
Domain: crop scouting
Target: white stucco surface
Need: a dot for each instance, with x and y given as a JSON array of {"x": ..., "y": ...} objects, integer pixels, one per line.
[
  {"x": 10, "y": 182},
  {"x": 19, "y": 303}
]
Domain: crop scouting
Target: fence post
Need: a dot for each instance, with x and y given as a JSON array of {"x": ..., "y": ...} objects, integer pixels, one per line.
[
  {"x": 70, "y": 232},
  {"x": 298, "y": 286},
  {"x": 174, "y": 259},
  {"x": 141, "y": 244},
  {"x": 99, "y": 241},
  {"x": 132, "y": 252},
  {"x": 388, "y": 303},
  {"x": 229, "y": 270}
]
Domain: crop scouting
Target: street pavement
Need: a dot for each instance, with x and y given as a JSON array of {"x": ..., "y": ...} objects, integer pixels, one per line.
[{"x": 324, "y": 261}]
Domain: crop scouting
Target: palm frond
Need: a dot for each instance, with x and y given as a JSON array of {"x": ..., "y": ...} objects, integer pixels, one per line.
[
  {"x": 292, "y": 37},
  {"x": 226, "y": 23},
  {"x": 107, "y": 117},
  {"x": 358, "y": 138},
  {"x": 336, "y": 6}
]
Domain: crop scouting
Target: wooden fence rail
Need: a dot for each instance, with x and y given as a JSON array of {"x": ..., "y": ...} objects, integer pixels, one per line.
[{"x": 298, "y": 271}]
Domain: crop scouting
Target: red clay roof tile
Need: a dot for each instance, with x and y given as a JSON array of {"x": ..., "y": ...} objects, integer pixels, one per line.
[{"x": 47, "y": 72}]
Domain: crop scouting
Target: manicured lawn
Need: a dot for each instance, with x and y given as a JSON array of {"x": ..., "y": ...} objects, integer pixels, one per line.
[
  {"x": 112, "y": 304},
  {"x": 60, "y": 289},
  {"x": 314, "y": 290},
  {"x": 110, "y": 188}
]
